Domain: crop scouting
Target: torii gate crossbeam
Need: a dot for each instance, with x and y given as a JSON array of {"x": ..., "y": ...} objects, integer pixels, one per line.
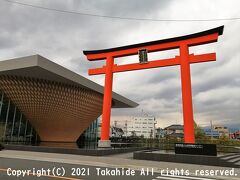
[{"x": 184, "y": 60}]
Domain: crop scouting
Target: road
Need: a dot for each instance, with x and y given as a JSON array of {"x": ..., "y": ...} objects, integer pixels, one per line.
[
  {"x": 10, "y": 169},
  {"x": 73, "y": 167}
]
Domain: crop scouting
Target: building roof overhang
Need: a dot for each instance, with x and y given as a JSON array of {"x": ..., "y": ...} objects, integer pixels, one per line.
[{"x": 36, "y": 66}]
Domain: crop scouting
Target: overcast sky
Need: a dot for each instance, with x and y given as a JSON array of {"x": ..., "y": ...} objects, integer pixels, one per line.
[{"x": 62, "y": 37}]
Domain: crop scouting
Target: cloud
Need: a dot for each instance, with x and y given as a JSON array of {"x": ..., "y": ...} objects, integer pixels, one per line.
[{"x": 62, "y": 37}]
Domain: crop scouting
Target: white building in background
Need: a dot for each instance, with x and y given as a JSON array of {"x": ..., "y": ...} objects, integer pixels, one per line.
[
  {"x": 116, "y": 129},
  {"x": 138, "y": 126},
  {"x": 222, "y": 130},
  {"x": 142, "y": 126}
]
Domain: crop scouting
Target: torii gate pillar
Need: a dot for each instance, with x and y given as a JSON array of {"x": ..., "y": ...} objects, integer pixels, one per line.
[
  {"x": 184, "y": 60},
  {"x": 187, "y": 95},
  {"x": 107, "y": 104}
]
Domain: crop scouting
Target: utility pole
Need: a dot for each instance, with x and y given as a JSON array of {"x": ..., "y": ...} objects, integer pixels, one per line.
[
  {"x": 126, "y": 124},
  {"x": 115, "y": 128},
  {"x": 211, "y": 130}
]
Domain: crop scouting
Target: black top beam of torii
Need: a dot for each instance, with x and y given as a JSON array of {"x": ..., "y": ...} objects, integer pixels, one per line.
[{"x": 218, "y": 30}]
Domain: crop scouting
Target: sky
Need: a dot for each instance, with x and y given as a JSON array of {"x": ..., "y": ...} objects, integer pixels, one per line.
[{"x": 62, "y": 37}]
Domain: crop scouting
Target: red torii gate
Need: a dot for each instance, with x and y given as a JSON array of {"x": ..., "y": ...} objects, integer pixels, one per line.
[{"x": 184, "y": 59}]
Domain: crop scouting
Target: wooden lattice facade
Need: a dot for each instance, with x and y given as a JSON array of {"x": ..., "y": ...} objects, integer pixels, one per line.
[{"x": 58, "y": 112}]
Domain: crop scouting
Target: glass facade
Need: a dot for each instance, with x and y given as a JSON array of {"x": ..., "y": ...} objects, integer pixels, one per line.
[
  {"x": 89, "y": 138},
  {"x": 14, "y": 127}
]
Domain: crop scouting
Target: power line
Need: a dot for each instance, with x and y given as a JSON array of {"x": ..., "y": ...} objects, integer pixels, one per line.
[{"x": 119, "y": 17}]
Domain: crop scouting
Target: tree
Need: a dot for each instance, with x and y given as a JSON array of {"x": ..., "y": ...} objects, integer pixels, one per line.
[
  {"x": 199, "y": 132},
  {"x": 133, "y": 134}
]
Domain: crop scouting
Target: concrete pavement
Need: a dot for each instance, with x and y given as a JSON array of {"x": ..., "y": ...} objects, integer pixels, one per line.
[{"x": 116, "y": 161}]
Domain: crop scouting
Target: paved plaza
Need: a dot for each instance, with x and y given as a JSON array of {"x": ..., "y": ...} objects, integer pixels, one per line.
[{"x": 120, "y": 166}]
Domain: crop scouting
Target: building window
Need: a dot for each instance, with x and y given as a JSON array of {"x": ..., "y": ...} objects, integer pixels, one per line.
[{"x": 14, "y": 128}]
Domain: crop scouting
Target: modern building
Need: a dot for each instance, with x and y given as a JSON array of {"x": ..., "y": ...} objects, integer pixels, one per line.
[
  {"x": 217, "y": 131},
  {"x": 41, "y": 101},
  {"x": 142, "y": 126},
  {"x": 223, "y": 130},
  {"x": 237, "y": 134},
  {"x": 211, "y": 133},
  {"x": 137, "y": 126},
  {"x": 175, "y": 130}
]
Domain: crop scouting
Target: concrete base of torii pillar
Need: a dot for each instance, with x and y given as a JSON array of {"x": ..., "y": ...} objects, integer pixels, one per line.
[{"x": 104, "y": 144}]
